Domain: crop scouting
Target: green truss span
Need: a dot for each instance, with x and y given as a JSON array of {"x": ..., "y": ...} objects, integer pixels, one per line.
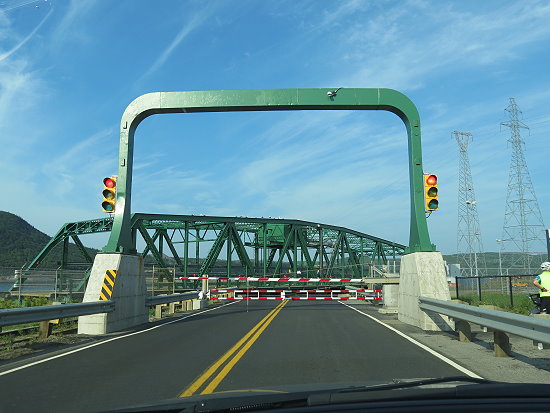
[{"x": 262, "y": 246}]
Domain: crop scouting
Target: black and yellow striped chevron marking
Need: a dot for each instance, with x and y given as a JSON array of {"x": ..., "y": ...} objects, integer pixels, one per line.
[{"x": 108, "y": 285}]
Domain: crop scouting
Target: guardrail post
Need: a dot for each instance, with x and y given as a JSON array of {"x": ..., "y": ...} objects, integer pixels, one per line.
[
  {"x": 158, "y": 311},
  {"x": 464, "y": 331},
  {"x": 541, "y": 346},
  {"x": 45, "y": 329},
  {"x": 171, "y": 308},
  {"x": 502, "y": 344}
]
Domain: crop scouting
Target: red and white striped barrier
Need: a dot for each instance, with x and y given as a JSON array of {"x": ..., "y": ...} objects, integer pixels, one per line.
[
  {"x": 328, "y": 280},
  {"x": 223, "y": 291},
  {"x": 254, "y": 294},
  {"x": 299, "y": 298}
]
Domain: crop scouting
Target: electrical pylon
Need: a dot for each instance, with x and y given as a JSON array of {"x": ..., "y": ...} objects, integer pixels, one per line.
[
  {"x": 469, "y": 244},
  {"x": 523, "y": 229}
]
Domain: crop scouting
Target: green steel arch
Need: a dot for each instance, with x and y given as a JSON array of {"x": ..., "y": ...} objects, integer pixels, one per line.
[{"x": 121, "y": 239}]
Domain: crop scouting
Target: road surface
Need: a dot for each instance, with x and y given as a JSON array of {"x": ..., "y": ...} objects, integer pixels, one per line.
[{"x": 231, "y": 346}]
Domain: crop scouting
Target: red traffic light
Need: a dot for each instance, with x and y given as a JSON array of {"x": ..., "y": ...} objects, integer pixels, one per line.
[
  {"x": 430, "y": 192},
  {"x": 109, "y": 182},
  {"x": 109, "y": 194},
  {"x": 431, "y": 180}
]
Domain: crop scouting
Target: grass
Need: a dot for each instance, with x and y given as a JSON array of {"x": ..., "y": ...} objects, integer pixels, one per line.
[
  {"x": 25, "y": 302},
  {"x": 522, "y": 303}
]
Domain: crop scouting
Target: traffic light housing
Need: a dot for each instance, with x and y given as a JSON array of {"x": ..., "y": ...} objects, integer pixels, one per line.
[
  {"x": 109, "y": 194},
  {"x": 430, "y": 192}
]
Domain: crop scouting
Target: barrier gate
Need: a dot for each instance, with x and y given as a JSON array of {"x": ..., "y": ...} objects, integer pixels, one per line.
[{"x": 290, "y": 293}]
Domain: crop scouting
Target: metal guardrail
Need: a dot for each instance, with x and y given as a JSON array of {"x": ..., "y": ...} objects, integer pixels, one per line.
[
  {"x": 16, "y": 316},
  {"x": 165, "y": 299},
  {"x": 51, "y": 312},
  {"x": 532, "y": 328}
]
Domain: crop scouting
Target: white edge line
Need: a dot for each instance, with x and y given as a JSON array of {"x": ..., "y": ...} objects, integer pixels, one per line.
[
  {"x": 422, "y": 346},
  {"x": 109, "y": 340}
]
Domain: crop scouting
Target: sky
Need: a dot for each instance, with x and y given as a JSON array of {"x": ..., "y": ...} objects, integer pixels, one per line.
[{"x": 68, "y": 69}]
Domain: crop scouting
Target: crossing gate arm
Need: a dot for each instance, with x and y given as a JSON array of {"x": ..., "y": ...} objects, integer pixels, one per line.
[{"x": 121, "y": 240}]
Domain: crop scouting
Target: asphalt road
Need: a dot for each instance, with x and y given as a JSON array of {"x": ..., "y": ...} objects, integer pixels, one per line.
[{"x": 268, "y": 344}]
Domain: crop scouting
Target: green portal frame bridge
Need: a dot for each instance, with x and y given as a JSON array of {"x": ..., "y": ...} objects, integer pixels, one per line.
[{"x": 122, "y": 238}]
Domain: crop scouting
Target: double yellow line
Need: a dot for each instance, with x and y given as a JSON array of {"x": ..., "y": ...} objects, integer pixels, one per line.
[{"x": 243, "y": 344}]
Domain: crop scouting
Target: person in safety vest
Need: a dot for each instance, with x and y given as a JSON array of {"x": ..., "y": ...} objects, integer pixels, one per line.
[{"x": 542, "y": 282}]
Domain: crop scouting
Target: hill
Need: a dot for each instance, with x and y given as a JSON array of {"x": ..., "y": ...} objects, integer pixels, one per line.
[
  {"x": 511, "y": 262},
  {"x": 20, "y": 243}
]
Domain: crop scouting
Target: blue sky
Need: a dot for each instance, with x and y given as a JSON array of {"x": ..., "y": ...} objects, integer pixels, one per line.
[{"x": 68, "y": 69}]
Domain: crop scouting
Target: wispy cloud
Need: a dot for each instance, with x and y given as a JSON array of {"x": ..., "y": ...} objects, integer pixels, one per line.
[
  {"x": 84, "y": 159},
  {"x": 22, "y": 42},
  {"x": 197, "y": 19},
  {"x": 448, "y": 39},
  {"x": 77, "y": 13}
]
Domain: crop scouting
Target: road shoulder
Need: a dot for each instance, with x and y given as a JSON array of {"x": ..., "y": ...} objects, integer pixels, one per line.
[{"x": 528, "y": 364}]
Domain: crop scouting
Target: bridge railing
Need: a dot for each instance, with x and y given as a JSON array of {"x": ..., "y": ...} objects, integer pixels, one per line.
[
  {"x": 51, "y": 312},
  {"x": 500, "y": 322},
  {"x": 171, "y": 298},
  {"x": 25, "y": 315}
]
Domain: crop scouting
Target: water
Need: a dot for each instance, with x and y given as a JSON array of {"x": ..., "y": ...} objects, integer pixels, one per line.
[{"x": 5, "y": 286}]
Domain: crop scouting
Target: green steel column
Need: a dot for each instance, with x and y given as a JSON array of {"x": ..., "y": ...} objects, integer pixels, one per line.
[
  {"x": 343, "y": 255},
  {"x": 321, "y": 255},
  {"x": 161, "y": 245},
  {"x": 229, "y": 248},
  {"x": 197, "y": 248},
  {"x": 265, "y": 250},
  {"x": 295, "y": 250},
  {"x": 186, "y": 250},
  {"x": 362, "y": 261},
  {"x": 65, "y": 253},
  {"x": 268, "y": 100},
  {"x": 256, "y": 254}
]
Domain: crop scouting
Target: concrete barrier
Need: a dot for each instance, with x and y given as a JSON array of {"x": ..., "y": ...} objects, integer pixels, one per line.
[
  {"x": 128, "y": 294},
  {"x": 422, "y": 274}
]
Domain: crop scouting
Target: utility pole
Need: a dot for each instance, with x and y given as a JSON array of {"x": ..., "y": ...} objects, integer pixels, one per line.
[
  {"x": 469, "y": 244},
  {"x": 523, "y": 229}
]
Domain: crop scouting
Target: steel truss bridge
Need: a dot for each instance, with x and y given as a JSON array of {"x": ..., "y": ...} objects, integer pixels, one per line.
[{"x": 263, "y": 246}]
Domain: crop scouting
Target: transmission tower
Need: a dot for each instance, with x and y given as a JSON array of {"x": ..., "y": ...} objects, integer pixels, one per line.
[
  {"x": 469, "y": 245},
  {"x": 523, "y": 230}
]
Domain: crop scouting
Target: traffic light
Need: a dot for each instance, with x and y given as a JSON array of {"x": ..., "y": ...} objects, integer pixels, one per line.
[
  {"x": 430, "y": 192},
  {"x": 109, "y": 194}
]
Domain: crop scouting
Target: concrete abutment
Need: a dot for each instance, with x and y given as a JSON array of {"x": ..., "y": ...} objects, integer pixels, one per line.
[
  {"x": 128, "y": 294},
  {"x": 423, "y": 274}
]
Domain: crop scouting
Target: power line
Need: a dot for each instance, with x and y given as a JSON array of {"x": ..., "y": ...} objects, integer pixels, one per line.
[
  {"x": 469, "y": 244},
  {"x": 523, "y": 229}
]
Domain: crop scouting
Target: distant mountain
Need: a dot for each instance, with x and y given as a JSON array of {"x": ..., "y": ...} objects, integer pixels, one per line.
[{"x": 20, "y": 243}]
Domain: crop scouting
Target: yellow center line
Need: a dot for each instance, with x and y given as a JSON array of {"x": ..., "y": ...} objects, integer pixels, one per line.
[
  {"x": 214, "y": 367},
  {"x": 227, "y": 368}
]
